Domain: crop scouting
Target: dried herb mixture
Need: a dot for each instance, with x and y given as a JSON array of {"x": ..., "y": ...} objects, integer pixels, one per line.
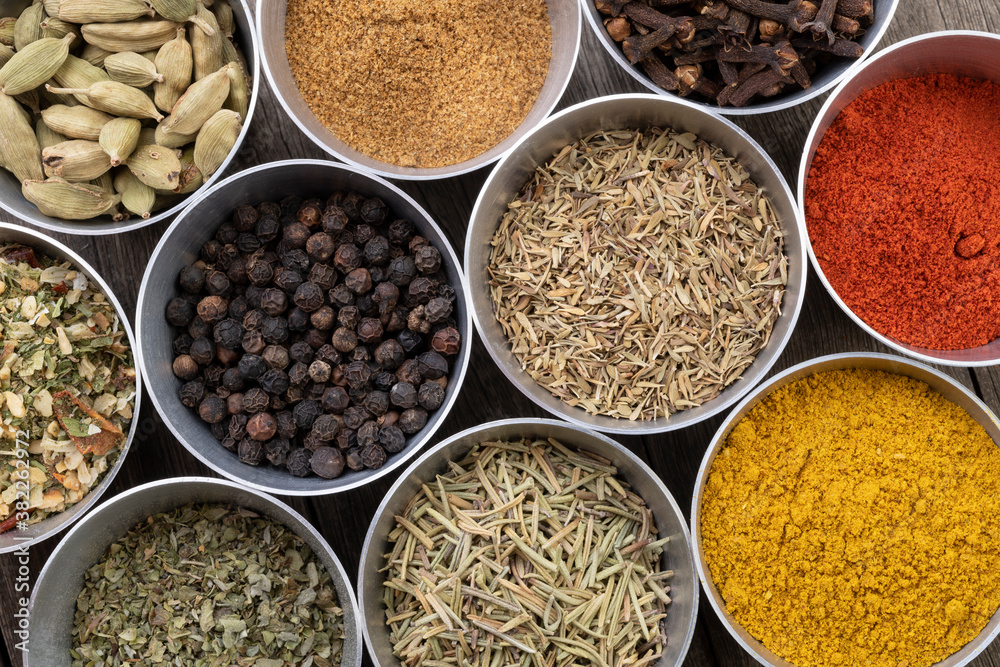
[
  {"x": 638, "y": 273},
  {"x": 67, "y": 385},
  {"x": 208, "y": 585}
]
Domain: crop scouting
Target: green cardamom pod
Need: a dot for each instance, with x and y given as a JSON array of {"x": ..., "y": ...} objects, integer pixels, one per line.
[
  {"x": 51, "y": 7},
  {"x": 33, "y": 65},
  {"x": 224, "y": 18},
  {"x": 216, "y": 140},
  {"x": 30, "y": 99},
  {"x": 202, "y": 99},
  {"x": 29, "y": 26},
  {"x": 239, "y": 90},
  {"x": 7, "y": 24},
  {"x": 57, "y": 198},
  {"x": 175, "y": 62},
  {"x": 119, "y": 138},
  {"x": 19, "y": 149},
  {"x": 115, "y": 98},
  {"x": 102, "y": 11},
  {"x": 56, "y": 28},
  {"x": 147, "y": 136},
  {"x": 191, "y": 177},
  {"x": 80, "y": 122},
  {"x": 78, "y": 73},
  {"x": 135, "y": 36},
  {"x": 156, "y": 166},
  {"x": 6, "y": 53},
  {"x": 137, "y": 197},
  {"x": 171, "y": 139},
  {"x": 47, "y": 136},
  {"x": 94, "y": 55},
  {"x": 131, "y": 69},
  {"x": 182, "y": 11},
  {"x": 209, "y": 53},
  {"x": 106, "y": 183},
  {"x": 76, "y": 160}
]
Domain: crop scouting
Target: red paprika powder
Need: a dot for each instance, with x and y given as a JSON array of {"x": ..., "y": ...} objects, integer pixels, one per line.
[{"x": 902, "y": 205}]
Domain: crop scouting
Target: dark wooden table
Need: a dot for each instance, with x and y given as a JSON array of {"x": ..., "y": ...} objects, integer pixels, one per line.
[{"x": 343, "y": 519}]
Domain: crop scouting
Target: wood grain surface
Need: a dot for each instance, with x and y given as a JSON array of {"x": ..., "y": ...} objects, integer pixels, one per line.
[{"x": 343, "y": 519}]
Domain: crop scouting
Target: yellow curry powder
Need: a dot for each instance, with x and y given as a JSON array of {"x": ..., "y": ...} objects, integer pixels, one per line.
[{"x": 853, "y": 518}]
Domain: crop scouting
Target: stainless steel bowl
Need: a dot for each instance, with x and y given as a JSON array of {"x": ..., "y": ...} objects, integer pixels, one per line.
[
  {"x": 12, "y": 201},
  {"x": 966, "y": 53},
  {"x": 16, "y": 539},
  {"x": 180, "y": 247},
  {"x": 683, "y": 611},
  {"x": 53, "y": 601},
  {"x": 564, "y": 19},
  {"x": 938, "y": 381},
  {"x": 822, "y": 81},
  {"x": 615, "y": 112}
]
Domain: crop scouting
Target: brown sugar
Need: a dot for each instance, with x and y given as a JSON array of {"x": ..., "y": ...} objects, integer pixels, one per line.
[{"x": 419, "y": 83}]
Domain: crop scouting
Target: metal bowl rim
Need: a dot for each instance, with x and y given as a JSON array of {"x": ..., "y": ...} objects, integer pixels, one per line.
[
  {"x": 779, "y": 105},
  {"x": 660, "y": 424},
  {"x": 93, "y": 496},
  {"x": 464, "y": 167},
  {"x": 84, "y": 228},
  {"x": 526, "y": 423},
  {"x": 804, "y": 164},
  {"x": 211, "y": 481},
  {"x": 759, "y": 394},
  {"x": 456, "y": 378}
]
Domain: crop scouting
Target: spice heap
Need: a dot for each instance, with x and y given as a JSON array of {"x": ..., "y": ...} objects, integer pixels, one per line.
[
  {"x": 850, "y": 519},
  {"x": 67, "y": 386},
  {"x": 315, "y": 334},
  {"x": 638, "y": 273},
  {"x": 903, "y": 223},
  {"x": 206, "y": 584},
  {"x": 734, "y": 52},
  {"x": 527, "y": 552},
  {"x": 416, "y": 83},
  {"x": 115, "y": 105}
]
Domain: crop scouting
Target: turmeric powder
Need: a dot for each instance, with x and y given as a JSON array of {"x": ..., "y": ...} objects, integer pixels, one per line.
[{"x": 853, "y": 518}]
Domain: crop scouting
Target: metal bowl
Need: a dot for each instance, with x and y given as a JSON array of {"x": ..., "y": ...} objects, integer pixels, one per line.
[
  {"x": 180, "y": 247},
  {"x": 12, "y": 201},
  {"x": 616, "y": 112},
  {"x": 53, "y": 602},
  {"x": 16, "y": 539},
  {"x": 564, "y": 19},
  {"x": 966, "y": 53},
  {"x": 683, "y": 611},
  {"x": 822, "y": 81},
  {"x": 944, "y": 385}
]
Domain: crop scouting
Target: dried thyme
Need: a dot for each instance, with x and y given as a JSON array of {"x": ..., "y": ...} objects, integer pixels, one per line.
[
  {"x": 526, "y": 553},
  {"x": 638, "y": 273},
  {"x": 208, "y": 585},
  {"x": 67, "y": 385}
]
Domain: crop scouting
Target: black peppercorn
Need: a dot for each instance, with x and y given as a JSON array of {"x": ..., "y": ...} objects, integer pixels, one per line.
[
  {"x": 402, "y": 270},
  {"x": 355, "y": 416},
  {"x": 376, "y": 402},
  {"x": 305, "y": 413},
  {"x": 358, "y": 281},
  {"x": 273, "y": 301},
  {"x": 182, "y": 344},
  {"x": 212, "y": 309},
  {"x": 315, "y": 338},
  {"x": 341, "y": 296},
  {"x": 412, "y": 420},
  {"x": 308, "y": 297},
  {"x": 256, "y": 400},
  {"x": 347, "y": 258},
  {"x": 325, "y": 427},
  {"x": 226, "y": 233},
  {"x": 320, "y": 247},
  {"x": 251, "y": 452},
  {"x": 217, "y": 430},
  {"x": 286, "y": 279},
  {"x": 247, "y": 243},
  {"x": 351, "y": 203},
  {"x": 334, "y": 219},
  {"x": 430, "y": 396},
  {"x": 275, "y": 330},
  {"x": 403, "y": 395},
  {"x": 229, "y": 443},
  {"x": 315, "y": 390},
  {"x": 210, "y": 251},
  {"x": 377, "y": 250},
  {"x": 366, "y": 306},
  {"x": 232, "y": 380},
  {"x": 202, "y": 351},
  {"x": 274, "y": 382},
  {"x": 298, "y": 462},
  {"x": 270, "y": 208},
  {"x": 212, "y": 376},
  {"x": 298, "y": 320},
  {"x": 422, "y": 289},
  {"x": 237, "y": 426},
  {"x": 397, "y": 319},
  {"x": 373, "y": 456},
  {"x": 252, "y": 295},
  {"x": 245, "y": 217},
  {"x": 228, "y": 333},
  {"x": 276, "y": 451},
  {"x": 298, "y": 374},
  {"x": 252, "y": 366},
  {"x": 301, "y": 351},
  {"x": 367, "y": 434},
  {"x": 319, "y": 371},
  {"x": 191, "y": 279},
  {"x": 446, "y": 341},
  {"x": 192, "y": 393},
  {"x": 296, "y": 235},
  {"x": 427, "y": 259},
  {"x": 369, "y": 330},
  {"x": 392, "y": 439},
  {"x": 329, "y": 354},
  {"x": 409, "y": 339},
  {"x": 217, "y": 283},
  {"x": 353, "y": 459},
  {"x": 238, "y": 308},
  {"x": 253, "y": 320},
  {"x": 401, "y": 231},
  {"x": 252, "y": 342},
  {"x": 409, "y": 371},
  {"x": 267, "y": 228},
  {"x": 437, "y": 310},
  {"x": 327, "y": 462},
  {"x": 259, "y": 271},
  {"x": 344, "y": 339},
  {"x": 347, "y": 438},
  {"x": 373, "y": 211},
  {"x": 391, "y": 418},
  {"x": 296, "y": 260},
  {"x": 323, "y": 319},
  {"x": 386, "y": 295},
  {"x": 432, "y": 365},
  {"x": 276, "y": 356},
  {"x": 323, "y": 275},
  {"x": 212, "y": 409},
  {"x": 180, "y": 312},
  {"x": 234, "y": 403},
  {"x": 358, "y": 374},
  {"x": 335, "y": 400},
  {"x": 286, "y": 424},
  {"x": 383, "y": 381},
  {"x": 262, "y": 427}
]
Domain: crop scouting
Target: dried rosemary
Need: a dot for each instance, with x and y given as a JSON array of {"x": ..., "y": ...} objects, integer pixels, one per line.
[
  {"x": 638, "y": 273},
  {"x": 208, "y": 585},
  {"x": 526, "y": 553}
]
